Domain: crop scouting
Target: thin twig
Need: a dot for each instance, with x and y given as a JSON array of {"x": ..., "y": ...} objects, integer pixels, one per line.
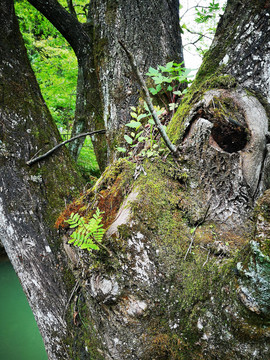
[
  {"x": 197, "y": 33},
  {"x": 206, "y": 258},
  {"x": 41, "y": 157},
  {"x": 191, "y": 242},
  {"x": 148, "y": 100},
  {"x": 199, "y": 224},
  {"x": 71, "y": 295}
]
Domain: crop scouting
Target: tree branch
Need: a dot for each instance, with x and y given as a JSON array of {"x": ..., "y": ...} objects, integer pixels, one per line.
[
  {"x": 41, "y": 157},
  {"x": 148, "y": 100},
  {"x": 66, "y": 23},
  {"x": 71, "y": 8}
]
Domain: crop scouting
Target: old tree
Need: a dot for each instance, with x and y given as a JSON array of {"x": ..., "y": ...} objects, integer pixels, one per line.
[{"x": 184, "y": 271}]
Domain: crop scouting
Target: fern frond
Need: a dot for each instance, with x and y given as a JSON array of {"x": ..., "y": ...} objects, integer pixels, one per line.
[{"x": 87, "y": 234}]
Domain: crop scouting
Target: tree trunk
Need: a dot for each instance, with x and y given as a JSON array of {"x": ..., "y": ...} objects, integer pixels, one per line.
[
  {"x": 151, "y": 33},
  {"x": 227, "y": 127},
  {"x": 31, "y": 198},
  {"x": 106, "y": 86},
  {"x": 189, "y": 275},
  {"x": 186, "y": 270}
]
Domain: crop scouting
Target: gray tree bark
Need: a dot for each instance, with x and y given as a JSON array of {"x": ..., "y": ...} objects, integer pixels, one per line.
[
  {"x": 106, "y": 86},
  {"x": 230, "y": 123},
  {"x": 31, "y": 198},
  {"x": 150, "y": 31},
  {"x": 188, "y": 272}
]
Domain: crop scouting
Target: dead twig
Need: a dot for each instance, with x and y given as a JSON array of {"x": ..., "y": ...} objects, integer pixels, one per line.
[
  {"x": 199, "y": 224},
  {"x": 75, "y": 288},
  {"x": 41, "y": 157},
  {"x": 206, "y": 258}
]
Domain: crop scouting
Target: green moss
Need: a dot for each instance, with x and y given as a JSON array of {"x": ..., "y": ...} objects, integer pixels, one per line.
[
  {"x": 83, "y": 341},
  {"x": 178, "y": 125}
]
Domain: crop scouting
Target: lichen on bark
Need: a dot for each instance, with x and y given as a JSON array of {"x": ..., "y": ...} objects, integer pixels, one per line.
[{"x": 154, "y": 296}]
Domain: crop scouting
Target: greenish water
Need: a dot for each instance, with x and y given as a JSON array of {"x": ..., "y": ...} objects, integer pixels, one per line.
[{"x": 19, "y": 335}]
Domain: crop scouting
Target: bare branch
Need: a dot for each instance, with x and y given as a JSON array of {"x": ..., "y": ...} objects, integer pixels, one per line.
[
  {"x": 193, "y": 7},
  {"x": 148, "y": 100},
  {"x": 200, "y": 34},
  {"x": 66, "y": 23},
  {"x": 71, "y": 8},
  {"x": 41, "y": 157}
]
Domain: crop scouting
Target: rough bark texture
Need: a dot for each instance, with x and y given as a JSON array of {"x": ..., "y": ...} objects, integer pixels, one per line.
[
  {"x": 188, "y": 272},
  {"x": 107, "y": 86},
  {"x": 150, "y": 30},
  {"x": 189, "y": 278},
  {"x": 30, "y": 198}
]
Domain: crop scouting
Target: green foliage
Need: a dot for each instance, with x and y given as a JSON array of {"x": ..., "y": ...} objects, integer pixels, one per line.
[
  {"x": 141, "y": 133},
  {"x": 53, "y": 61},
  {"x": 168, "y": 80},
  {"x": 87, "y": 235},
  {"x": 203, "y": 14},
  {"x": 55, "y": 67},
  {"x": 199, "y": 26},
  {"x": 87, "y": 162}
]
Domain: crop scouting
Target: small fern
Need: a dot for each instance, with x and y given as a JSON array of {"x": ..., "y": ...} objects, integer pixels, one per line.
[{"x": 87, "y": 235}]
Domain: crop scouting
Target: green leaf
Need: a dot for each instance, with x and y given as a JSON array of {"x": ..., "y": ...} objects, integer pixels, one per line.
[
  {"x": 134, "y": 124},
  {"x": 128, "y": 139},
  {"x": 121, "y": 149},
  {"x": 172, "y": 106},
  {"x": 85, "y": 246},
  {"x": 141, "y": 138},
  {"x": 94, "y": 247},
  {"x": 138, "y": 135},
  {"x": 149, "y": 153},
  {"x": 142, "y": 116},
  {"x": 192, "y": 230},
  {"x": 152, "y": 71},
  {"x": 153, "y": 91},
  {"x": 134, "y": 115}
]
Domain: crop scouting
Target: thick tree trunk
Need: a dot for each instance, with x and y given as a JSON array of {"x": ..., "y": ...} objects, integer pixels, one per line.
[
  {"x": 189, "y": 275},
  {"x": 107, "y": 88},
  {"x": 151, "y": 33},
  {"x": 31, "y": 198},
  {"x": 180, "y": 279},
  {"x": 227, "y": 128}
]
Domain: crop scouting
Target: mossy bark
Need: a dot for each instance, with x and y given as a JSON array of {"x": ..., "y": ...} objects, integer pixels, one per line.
[
  {"x": 189, "y": 275},
  {"x": 150, "y": 32},
  {"x": 31, "y": 197},
  {"x": 186, "y": 275}
]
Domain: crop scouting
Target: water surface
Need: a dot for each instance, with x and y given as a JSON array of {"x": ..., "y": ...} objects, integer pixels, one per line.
[{"x": 19, "y": 335}]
